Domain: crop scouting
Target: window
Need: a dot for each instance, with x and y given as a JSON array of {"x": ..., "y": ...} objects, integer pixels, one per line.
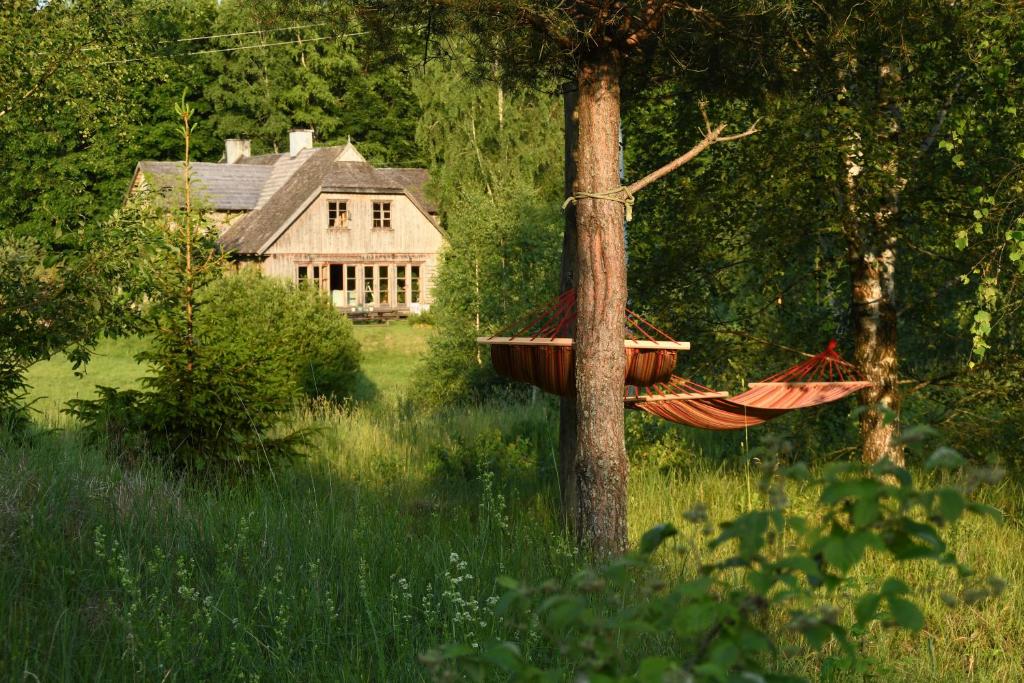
[
  {"x": 382, "y": 214},
  {"x": 350, "y": 285},
  {"x": 309, "y": 275},
  {"x": 383, "y": 282},
  {"x": 367, "y": 284},
  {"x": 414, "y": 276},
  {"x": 337, "y": 214},
  {"x": 400, "y": 285}
]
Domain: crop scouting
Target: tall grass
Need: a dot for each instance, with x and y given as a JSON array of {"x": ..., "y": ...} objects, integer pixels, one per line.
[{"x": 348, "y": 564}]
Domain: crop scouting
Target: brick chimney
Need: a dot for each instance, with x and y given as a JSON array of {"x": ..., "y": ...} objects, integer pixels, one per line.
[
  {"x": 236, "y": 149},
  {"x": 300, "y": 139}
]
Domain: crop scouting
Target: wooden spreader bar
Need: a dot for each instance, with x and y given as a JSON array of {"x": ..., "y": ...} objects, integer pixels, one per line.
[
  {"x": 676, "y": 397},
  {"x": 568, "y": 341}
]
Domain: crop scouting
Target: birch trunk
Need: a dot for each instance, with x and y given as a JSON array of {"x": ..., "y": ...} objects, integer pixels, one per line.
[
  {"x": 874, "y": 331},
  {"x": 601, "y": 464},
  {"x": 870, "y": 227}
]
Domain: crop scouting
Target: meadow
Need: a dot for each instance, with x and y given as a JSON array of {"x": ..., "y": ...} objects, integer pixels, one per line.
[{"x": 348, "y": 563}]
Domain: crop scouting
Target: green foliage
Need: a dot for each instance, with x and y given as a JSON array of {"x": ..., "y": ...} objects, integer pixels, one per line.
[
  {"x": 278, "y": 324},
  {"x": 489, "y": 451},
  {"x": 783, "y": 564},
  {"x": 207, "y": 405},
  {"x": 495, "y": 172},
  {"x": 322, "y": 81},
  {"x": 63, "y": 301}
]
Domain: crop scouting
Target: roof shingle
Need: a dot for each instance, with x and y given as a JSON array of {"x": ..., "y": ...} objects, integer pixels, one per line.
[
  {"x": 218, "y": 187},
  {"x": 272, "y": 188}
]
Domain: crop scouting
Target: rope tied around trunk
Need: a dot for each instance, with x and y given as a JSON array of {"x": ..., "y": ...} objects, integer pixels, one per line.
[{"x": 620, "y": 194}]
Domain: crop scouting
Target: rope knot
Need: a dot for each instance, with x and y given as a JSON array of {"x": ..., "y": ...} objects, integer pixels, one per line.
[{"x": 620, "y": 194}]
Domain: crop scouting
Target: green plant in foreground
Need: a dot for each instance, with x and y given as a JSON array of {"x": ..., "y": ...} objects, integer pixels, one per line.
[{"x": 786, "y": 575}]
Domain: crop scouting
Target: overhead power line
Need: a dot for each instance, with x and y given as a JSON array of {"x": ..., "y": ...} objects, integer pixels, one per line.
[
  {"x": 229, "y": 49},
  {"x": 192, "y": 39}
]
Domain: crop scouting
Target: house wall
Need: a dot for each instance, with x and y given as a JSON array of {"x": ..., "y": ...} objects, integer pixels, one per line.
[{"x": 411, "y": 241}]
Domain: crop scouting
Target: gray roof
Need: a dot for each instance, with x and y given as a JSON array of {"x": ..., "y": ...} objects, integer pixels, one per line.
[
  {"x": 321, "y": 172},
  {"x": 218, "y": 187},
  {"x": 274, "y": 188}
]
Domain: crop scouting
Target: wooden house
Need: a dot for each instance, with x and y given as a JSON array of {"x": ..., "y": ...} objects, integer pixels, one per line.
[{"x": 322, "y": 216}]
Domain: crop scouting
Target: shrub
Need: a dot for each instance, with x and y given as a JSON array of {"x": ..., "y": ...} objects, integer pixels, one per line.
[
  {"x": 421, "y": 318},
  {"x": 785, "y": 574},
  {"x": 298, "y": 326},
  {"x": 216, "y": 391},
  {"x": 486, "y": 452}
]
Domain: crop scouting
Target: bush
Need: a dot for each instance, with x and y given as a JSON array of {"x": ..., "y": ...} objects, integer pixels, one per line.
[
  {"x": 298, "y": 326},
  {"x": 421, "y": 318},
  {"x": 782, "y": 566},
  {"x": 487, "y": 452},
  {"x": 227, "y": 357}
]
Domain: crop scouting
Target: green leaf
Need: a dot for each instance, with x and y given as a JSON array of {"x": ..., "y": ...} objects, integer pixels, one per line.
[
  {"x": 697, "y": 618},
  {"x": 655, "y": 670},
  {"x": 504, "y": 655},
  {"x": 867, "y": 607},
  {"x": 849, "y": 489},
  {"x": 697, "y": 588},
  {"x": 982, "y": 509},
  {"x": 843, "y": 552},
  {"x": 865, "y": 511},
  {"x": 945, "y": 458},
  {"x": 816, "y": 635},
  {"x": 653, "y": 539},
  {"x": 951, "y": 504},
  {"x": 906, "y": 613}
]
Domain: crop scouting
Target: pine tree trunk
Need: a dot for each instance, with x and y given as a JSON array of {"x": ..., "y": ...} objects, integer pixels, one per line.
[
  {"x": 601, "y": 464},
  {"x": 567, "y": 404}
]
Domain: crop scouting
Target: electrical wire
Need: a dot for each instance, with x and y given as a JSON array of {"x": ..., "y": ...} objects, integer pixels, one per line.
[
  {"x": 229, "y": 49},
  {"x": 192, "y": 39}
]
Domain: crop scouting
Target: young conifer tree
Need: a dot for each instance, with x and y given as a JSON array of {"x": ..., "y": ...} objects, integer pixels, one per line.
[{"x": 209, "y": 403}]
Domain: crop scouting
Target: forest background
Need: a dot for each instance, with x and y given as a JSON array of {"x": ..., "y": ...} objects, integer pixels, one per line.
[{"x": 744, "y": 254}]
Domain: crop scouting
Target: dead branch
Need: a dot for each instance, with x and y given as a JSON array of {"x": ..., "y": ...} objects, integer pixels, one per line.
[{"x": 712, "y": 136}]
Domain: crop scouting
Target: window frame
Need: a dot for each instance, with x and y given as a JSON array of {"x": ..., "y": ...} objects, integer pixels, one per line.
[
  {"x": 311, "y": 276},
  {"x": 340, "y": 218},
  {"x": 415, "y": 273},
  {"x": 381, "y": 215}
]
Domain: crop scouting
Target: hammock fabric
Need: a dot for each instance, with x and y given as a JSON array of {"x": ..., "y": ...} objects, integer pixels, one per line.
[
  {"x": 541, "y": 351},
  {"x": 820, "y": 379}
]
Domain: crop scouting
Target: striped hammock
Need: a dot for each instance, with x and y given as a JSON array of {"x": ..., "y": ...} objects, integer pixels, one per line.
[{"x": 541, "y": 352}]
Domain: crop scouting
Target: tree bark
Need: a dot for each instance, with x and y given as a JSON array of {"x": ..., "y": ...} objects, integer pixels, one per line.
[
  {"x": 567, "y": 280},
  {"x": 870, "y": 229},
  {"x": 601, "y": 464},
  {"x": 873, "y": 273}
]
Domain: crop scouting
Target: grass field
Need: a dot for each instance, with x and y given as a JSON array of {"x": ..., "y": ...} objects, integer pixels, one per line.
[
  {"x": 347, "y": 564},
  {"x": 391, "y": 352}
]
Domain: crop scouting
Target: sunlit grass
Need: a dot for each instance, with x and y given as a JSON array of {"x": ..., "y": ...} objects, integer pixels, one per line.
[{"x": 340, "y": 566}]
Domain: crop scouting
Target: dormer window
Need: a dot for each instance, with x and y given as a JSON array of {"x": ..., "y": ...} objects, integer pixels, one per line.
[
  {"x": 337, "y": 214},
  {"x": 382, "y": 214}
]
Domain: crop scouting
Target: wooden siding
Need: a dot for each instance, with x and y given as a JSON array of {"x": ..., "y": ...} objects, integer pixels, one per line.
[{"x": 411, "y": 240}]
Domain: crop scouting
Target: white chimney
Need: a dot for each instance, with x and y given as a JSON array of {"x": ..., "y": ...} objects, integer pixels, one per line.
[
  {"x": 236, "y": 149},
  {"x": 300, "y": 139}
]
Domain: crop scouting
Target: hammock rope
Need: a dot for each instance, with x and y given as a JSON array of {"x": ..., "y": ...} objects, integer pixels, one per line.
[{"x": 620, "y": 194}]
